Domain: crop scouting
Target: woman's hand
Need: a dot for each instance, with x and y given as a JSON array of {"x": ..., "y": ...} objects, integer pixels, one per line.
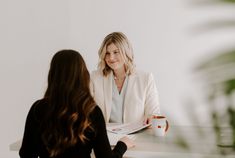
[
  {"x": 148, "y": 120},
  {"x": 129, "y": 143}
]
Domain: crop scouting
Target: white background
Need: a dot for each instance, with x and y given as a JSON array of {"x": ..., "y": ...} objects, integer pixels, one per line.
[{"x": 168, "y": 38}]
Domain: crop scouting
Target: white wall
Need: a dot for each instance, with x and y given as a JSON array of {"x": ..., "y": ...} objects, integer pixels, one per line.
[
  {"x": 30, "y": 33},
  {"x": 164, "y": 36}
]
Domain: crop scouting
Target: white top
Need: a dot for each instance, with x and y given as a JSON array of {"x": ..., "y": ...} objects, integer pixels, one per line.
[{"x": 118, "y": 102}]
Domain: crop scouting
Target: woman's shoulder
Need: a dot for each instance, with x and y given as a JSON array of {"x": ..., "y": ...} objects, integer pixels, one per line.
[
  {"x": 39, "y": 104},
  {"x": 38, "y": 108},
  {"x": 142, "y": 74},
  {"x": 96, "y": 110},
  {"x": 96, "y": 114},
  {"x": 96, "y": 73}
]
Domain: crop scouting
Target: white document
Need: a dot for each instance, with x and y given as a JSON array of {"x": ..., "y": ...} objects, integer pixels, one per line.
[
  {"x": 127, "y": 128},
  {"x": 114, "y": 138}
]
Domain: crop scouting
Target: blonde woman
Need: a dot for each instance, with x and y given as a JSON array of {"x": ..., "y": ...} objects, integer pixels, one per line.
[{"x": 123, "y": 93}]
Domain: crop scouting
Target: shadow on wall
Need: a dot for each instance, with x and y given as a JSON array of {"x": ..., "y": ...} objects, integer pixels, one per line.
[
  {"x": 214, "y": 24},
  {"x": 218, "y": 76},
  {"x": 211, "y": 2},
  {"x": 218, "y": 73}
]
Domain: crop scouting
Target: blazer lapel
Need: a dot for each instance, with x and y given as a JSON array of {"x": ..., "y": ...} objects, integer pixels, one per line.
[
  {"x": 107, "y": 95},
  {"x": 128, "y": 96}
]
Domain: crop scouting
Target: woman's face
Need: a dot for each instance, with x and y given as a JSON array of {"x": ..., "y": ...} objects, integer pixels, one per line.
[{"x": 113, "y": 57}]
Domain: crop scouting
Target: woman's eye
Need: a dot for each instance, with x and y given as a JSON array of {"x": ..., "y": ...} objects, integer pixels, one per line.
[
  {"x": 116, "y": 52},
  {"x": 107, "y": 55}
]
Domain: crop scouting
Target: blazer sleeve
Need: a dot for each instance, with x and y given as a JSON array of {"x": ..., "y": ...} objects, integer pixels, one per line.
[{"x": 152, "y": 106}]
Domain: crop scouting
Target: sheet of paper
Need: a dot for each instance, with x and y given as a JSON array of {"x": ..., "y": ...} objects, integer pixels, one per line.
[
  {"x": 113, "y": 138},
  {"x": 127, "y": 128}
]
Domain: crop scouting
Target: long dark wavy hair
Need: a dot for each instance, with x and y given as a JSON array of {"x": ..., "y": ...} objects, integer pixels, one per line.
[{"x": 69, "y": 102}]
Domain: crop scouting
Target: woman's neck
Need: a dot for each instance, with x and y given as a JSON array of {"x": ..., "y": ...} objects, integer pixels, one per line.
[{"x": 120, "y": 73}]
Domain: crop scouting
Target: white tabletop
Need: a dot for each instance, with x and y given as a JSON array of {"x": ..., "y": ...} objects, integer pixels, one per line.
[{"x": 180, "y": 141}]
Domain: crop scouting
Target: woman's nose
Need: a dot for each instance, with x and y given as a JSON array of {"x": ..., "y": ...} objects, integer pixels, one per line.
[{"x": 111, "y": 57}]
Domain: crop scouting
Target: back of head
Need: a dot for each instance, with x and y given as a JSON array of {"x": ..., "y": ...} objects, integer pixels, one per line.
[
  {"x": 69, "y": 102},
  {"x": 67, "y": 73}
]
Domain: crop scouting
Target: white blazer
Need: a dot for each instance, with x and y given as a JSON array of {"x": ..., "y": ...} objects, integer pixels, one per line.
[{"x": 141, "y": 98}]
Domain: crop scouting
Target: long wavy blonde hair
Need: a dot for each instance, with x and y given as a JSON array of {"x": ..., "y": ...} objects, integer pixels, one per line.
[{"x": 125, "y": 48}]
